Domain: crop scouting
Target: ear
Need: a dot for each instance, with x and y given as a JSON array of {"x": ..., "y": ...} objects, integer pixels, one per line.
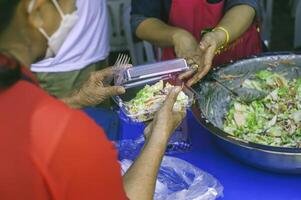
[{"x": 33, "y": 7}]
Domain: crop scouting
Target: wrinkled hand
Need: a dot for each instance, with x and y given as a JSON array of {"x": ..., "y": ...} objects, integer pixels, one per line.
[
  {"x": 208, "y": 46},
  {"x": 185, "y": 45},
  {"x": 96, "y": 89},
  {"x": 166, "y": 120}
]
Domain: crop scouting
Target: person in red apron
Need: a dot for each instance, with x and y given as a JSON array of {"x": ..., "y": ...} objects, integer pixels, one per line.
[{"x": 230, "y": 31}]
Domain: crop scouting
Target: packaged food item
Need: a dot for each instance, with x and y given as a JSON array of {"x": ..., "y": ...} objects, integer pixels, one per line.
[
  {"x": 149, "y": 73},
  {"x": 147, "y": 87},
  {"x": 141, "y": 103}
]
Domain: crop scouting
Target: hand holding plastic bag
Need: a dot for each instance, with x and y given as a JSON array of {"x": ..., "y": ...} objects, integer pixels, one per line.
[{"x": 177, "y": 179}]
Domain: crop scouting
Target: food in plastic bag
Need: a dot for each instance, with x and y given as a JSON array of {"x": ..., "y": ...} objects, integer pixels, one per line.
[
  {"x": 142, "y": 106},
  {"x": 151, "y": 98},
  {"x": 177, "y": 179}
]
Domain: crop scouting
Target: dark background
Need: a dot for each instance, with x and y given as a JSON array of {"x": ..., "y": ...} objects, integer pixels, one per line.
[{"x": 283, "y": 27}]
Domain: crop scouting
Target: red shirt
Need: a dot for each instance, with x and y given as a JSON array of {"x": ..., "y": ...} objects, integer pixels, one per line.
[{"x": 49, "y": 151}]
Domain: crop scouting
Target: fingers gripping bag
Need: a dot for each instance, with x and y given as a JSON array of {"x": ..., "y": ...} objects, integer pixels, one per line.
[{"x": 177, "y": 179}]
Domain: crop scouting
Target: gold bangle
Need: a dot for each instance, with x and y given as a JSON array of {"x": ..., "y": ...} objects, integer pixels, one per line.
[
  {"x": 225, "y": 31},
  {"x": 224, "y": 45}
]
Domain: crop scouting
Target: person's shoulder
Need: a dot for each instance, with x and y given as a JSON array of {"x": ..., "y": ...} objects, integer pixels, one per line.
[
  {"x": 54, "y": 112},
  {"x": 51, "y": 120},
  {"x": 42, "y": 100}
]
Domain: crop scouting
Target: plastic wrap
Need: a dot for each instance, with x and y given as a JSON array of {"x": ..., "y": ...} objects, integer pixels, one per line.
[
  {"x": 148, "y": 114},
  {"x": 177, "y": 179},
  {"x": 179, "y": 142},
  {"x": 145, "y": 74}
]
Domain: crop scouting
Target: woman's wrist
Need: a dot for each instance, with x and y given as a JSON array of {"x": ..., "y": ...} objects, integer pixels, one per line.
[
  {"x": 221, "y": 38},
  {"x": 177, "y": 34}
]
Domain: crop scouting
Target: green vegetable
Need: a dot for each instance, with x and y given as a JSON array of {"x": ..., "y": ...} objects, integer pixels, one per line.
[
  {"x": 264, "y": 74},
  {"x": 274, "y": 120},
  {"x": 150, "y": 99}
]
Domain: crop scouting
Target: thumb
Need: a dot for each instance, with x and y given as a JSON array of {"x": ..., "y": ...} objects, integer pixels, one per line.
[
  {"x": 204, "y": 44},
  {"x": 172, "y": 98},
  {"x": 113, "y": 91}
]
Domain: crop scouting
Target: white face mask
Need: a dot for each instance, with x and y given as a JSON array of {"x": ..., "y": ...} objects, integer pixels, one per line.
[{"x": 56, "y": 40}]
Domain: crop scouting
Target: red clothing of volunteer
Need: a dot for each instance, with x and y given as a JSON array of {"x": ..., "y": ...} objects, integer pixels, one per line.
[
  {"x": 197, "y": 15},
  {"x": 49, "y": 151}
]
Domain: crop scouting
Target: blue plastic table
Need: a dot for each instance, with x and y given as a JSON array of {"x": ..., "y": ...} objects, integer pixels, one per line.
[{"x": 240, "y": 181}]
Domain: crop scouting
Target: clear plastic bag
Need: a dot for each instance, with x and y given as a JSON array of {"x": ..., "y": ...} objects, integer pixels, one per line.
[
  {"x": 180, "y": 140},
  {"x": 177, "y": 179},
  {"x": 178, "y": 143}
]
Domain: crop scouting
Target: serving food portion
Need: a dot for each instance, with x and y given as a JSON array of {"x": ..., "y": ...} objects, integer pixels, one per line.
[
  {"x": 274, "y": 120},
  {"x": 149, "y": 99},
  {"x": 153, "y": 83},
  {"x": 252, "y": 108}
]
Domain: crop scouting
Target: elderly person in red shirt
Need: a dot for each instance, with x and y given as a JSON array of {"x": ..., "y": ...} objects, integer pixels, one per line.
[{"x": 47, "y": 149}]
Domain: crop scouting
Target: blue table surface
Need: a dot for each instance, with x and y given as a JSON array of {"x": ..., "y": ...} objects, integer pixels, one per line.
[{"x": 240, "y": 181}]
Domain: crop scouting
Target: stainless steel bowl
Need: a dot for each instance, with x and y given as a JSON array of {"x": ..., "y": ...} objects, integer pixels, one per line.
[{"x": 277, "y": 159}]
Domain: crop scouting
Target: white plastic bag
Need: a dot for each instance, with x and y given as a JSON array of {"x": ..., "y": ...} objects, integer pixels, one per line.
[{"x": 179, "y": 180}]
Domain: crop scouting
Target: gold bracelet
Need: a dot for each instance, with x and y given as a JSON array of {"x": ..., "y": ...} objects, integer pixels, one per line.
[
  {"x": 221, "y": 48},
  {"x": 225, "y": 31}
]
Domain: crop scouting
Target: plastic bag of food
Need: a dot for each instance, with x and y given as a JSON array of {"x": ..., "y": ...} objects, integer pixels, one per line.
[{"x": 177, "y": 179}]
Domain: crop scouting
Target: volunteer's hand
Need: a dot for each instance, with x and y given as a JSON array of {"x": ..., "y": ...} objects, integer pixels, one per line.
[
  {"x": 95, "y": 90},
  {"x": 185, "y": 45},
  {"x": 166, "y": 120},
  {"x": 208, "y": 46}
]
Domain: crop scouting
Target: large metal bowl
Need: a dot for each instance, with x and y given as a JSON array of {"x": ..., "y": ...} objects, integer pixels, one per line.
[{"x": 277, "y": 159}]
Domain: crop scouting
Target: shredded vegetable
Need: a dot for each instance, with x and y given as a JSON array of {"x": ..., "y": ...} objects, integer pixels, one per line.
[
  {"x": 150, "y": 99},
  {"x": 274, "y": 120}
]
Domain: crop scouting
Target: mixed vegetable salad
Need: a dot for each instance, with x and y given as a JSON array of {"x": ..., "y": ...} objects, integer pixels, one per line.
[
  {"x": 274, "y": 120},
  {"x": 150, "y": 99}
]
